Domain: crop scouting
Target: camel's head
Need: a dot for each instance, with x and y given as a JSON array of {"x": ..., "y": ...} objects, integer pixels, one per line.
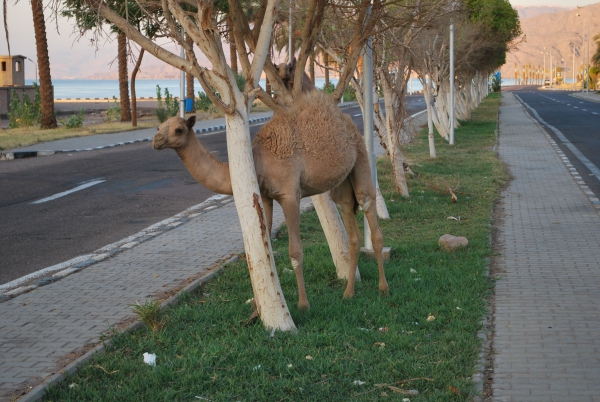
[
  {"x": 286, "y": 72},
  {"x": 174, "y": 133}
]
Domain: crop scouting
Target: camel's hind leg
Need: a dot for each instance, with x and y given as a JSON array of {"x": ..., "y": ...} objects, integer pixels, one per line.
[
  {"x": 364, "y": 190},
  {"x": 268, "y": 206},
  {"x": 343, "y": 195},
  {"x": 291, "y": 211}
]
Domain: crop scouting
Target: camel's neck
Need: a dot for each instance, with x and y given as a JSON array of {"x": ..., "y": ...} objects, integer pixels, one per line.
[{"x": 205, "y": 168}]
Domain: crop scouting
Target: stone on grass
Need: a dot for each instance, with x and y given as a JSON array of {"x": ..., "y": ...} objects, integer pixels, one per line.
[{"x": 451, "y": 243}]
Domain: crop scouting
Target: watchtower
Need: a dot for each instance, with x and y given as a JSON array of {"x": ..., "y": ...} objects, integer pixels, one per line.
[{"x": 12, "y": 71}]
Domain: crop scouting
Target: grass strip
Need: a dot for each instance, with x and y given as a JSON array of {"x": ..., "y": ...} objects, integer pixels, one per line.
[
  {"x": 371, "y": 347},
  {"x": 24, "y": 136}
]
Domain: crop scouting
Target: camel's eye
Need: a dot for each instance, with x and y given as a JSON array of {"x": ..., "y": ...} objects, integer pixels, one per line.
[{"x": 178, "y": 131}]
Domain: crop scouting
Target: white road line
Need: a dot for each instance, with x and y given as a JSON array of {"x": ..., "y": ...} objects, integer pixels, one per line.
[
  {"x": 356, "y": 115},
  {"x": 594, "y": 113},
  {"x": 585, "y": 110},
  {"x": 593, "y": 168},
  {"x": 59, "y": 195}
]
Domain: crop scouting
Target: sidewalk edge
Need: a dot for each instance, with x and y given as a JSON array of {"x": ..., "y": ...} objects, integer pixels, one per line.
[{"x": 39, "y": 391}]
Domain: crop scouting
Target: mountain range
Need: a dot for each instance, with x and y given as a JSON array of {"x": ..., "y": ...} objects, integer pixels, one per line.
[{"x": 557, "y": 31}]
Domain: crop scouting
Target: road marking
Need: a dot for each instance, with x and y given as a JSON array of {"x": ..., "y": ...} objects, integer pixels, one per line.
[
  {"x": 59, "y": 195},
  {"x": 356, "y": 115},
  {"x": 576, "y": 107},
  {"x": 593, "y": 168},
  {"x": 585, "y": 110},
  {"x": 594, "y": 113}
]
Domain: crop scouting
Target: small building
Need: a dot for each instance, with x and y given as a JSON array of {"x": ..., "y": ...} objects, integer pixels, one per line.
[{"x": 12, "y": 77}]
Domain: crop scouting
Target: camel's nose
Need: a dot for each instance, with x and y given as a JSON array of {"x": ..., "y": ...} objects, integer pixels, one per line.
[{"x": 157, "y": 141}]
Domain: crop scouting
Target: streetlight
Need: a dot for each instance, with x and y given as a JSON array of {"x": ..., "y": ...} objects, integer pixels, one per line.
[
  {"x": 544, "y": 83},
  {"x": 36, "y": 69}
]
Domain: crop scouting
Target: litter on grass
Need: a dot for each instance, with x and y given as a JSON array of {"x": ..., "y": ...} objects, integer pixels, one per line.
[
  {"x": 359, "y": 382},
  {"x": 150, "y": 359}
]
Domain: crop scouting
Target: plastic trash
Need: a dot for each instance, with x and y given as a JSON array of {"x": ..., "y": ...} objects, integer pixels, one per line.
[{"x": 150, "y": 359}]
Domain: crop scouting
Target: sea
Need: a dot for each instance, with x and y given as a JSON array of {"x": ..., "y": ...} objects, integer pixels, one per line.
[{"x": 144, "y": 88}]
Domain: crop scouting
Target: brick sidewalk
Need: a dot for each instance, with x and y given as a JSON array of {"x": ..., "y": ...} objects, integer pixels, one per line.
[
  {"x": 547, "y": 308},
  {"x": 43, "y": 330}
]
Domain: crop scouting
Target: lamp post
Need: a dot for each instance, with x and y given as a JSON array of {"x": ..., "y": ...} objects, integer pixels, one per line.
[
  {"x": 544, "y": 72},
  {"x": 36, "y": 69},
  {"x": 451, "y": 82},
  {"x": 582, "y": 51},
  {"x": 182, "y": 83}
]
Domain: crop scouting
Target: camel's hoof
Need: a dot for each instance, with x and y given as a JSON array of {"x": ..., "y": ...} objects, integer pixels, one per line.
[
  {"x": 384, "y": 289},
  {"x": 304, "y": 306},
  {"x": 348, "y": 295}
]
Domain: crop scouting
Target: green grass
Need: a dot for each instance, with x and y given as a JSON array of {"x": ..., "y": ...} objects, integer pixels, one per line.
[{"x": 206, "y": 350}]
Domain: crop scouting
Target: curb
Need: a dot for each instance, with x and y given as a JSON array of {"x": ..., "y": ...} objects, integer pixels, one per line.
[
  {"x": 78, "y": 263},
  {"x": 38, "y": 392},
  {"x": 579, "y": 96},
  {"x": 9, "y": 156}
]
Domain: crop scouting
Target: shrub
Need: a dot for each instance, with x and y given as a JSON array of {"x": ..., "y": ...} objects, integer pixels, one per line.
[
  {"x": 74, "y": 121},
  {"x": 24, "y": 113},
  {"x": 114, "y": 112},
  {"x": 496, "y": 84},
  {"x": 168, "y": 108},
  {"x": 203, "y": 102}
]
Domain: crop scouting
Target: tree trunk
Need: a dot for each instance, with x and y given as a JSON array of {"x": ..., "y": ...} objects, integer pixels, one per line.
[
  {"x": 189, "y": 78},
  {"x": 133, "y": 96},
  {"x": 268, "y": 295},
  {"x": 232, "y": 47},
  {"x": 326, "y": 62},
  {"x": 427, "y": 92},
  {"x": 312, "y": 68},
  {"x": 48, "y": 120},
  {"x": 335, "y": 233},
  {"x": 123, "y": 78}
]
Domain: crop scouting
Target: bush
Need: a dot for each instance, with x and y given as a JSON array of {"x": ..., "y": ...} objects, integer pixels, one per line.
[
  {"x": 203, "y": 102},
  {"x": 328, "y": 88},
  {"x": 114, "y": 112},
  {"x": 24, "y": 113},
  {"x": 74, "y": 121},
  {"x": 496, "y": 84},
  {"x": 170, "y": 107}
]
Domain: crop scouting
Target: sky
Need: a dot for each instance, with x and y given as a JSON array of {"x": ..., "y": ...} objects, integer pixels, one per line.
[{"x": 71, "y": 57}]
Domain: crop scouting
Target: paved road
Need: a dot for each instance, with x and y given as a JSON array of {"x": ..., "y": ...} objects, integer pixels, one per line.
[
  {"x": 141, "y": 187},
  {"x": 577, "y": 119}
]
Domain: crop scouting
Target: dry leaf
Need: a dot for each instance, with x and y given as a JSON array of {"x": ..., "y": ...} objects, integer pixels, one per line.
[
  {"x": 309, "y": 357},
  {"x": 430, "y": 318},
  {"x": 455, "y": 391}
]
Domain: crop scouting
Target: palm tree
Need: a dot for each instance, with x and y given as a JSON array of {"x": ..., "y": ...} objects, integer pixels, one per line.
[
  {"x": 123, "y": 77},
  {"x": 48, "y": 120}
]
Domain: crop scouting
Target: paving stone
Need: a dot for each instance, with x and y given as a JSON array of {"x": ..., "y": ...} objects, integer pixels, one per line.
[{"x": 550, "y": 268}]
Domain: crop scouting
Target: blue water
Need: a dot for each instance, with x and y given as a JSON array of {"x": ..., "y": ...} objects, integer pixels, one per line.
[{"x": 143, "y": 88}]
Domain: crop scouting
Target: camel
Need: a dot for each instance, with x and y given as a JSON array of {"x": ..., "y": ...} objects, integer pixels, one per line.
[
  {"x": 286, "y": 73},
  {"x": 307, "y": 150}
]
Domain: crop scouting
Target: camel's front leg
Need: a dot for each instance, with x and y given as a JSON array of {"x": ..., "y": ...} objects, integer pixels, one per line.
[
  {"x": 377, "y": 240},
  {"x": 291, "y": 211}
]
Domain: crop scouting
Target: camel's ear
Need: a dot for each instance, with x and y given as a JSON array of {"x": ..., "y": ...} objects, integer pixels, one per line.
[
  {"x": 293, "y": 63},
  {"x": 191, "y": 121}
]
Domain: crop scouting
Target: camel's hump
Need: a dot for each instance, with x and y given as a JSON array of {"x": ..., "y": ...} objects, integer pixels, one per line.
[{"x": 314, "y": 124}]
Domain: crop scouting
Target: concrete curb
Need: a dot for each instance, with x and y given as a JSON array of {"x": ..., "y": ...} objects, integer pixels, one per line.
[
  {"x": 579, "y": 95},
  {"x": 49, "y": 275},
  {"x": 9, "y": 156},
  {"x": 38, "y": 392}
]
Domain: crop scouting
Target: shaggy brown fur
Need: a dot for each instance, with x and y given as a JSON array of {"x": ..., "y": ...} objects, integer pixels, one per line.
[{"x": 310, "y": 149}]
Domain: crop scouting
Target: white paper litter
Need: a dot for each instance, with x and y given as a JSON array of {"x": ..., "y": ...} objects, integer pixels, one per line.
[
  {"x": 359, "y": 382},
  {"x": 150, "y": 359}
]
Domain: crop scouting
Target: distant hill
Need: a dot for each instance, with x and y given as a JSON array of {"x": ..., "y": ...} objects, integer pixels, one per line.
[
  {"x": 534, "y": 11},
  {"x": 558, "y": 32}
]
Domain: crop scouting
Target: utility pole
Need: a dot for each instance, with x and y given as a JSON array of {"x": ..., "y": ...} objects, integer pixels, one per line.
[
  {"x": 290, "y": 44},
  {"x": 182, "y": 83},
  {"x": 451, "y": 82}
]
